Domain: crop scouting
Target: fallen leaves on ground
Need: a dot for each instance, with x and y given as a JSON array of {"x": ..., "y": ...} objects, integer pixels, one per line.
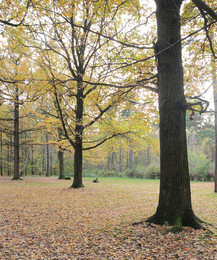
[{"x": 43, "y": 219}]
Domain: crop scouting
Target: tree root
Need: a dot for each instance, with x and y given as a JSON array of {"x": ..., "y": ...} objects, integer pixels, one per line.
[
  {"x": 138, "y": 223},
  {"x": 74, "y": 186},
  {"x": 61, "y": 178},
  {"x": 177, "y": 223},
  {"x": 17, "y": 179}
]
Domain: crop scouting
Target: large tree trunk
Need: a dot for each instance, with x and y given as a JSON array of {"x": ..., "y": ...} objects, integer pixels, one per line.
[
  {"x": 174, "y": 205},
  {"x": 16, "y": 137},
  {"x": 214, "y": 79},
  {"x": 78, "y": 147}
]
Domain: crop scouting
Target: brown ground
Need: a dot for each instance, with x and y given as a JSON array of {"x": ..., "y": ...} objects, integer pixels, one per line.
[{"x": 40, "y": 218}]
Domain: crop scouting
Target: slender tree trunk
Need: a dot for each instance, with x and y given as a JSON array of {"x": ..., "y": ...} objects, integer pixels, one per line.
[
  {"x": 131, "y": 159},
  {"x": 120, "y": 160},
  {"x": 61, "y": 163},
  {"x": 32, "y": 162},
  {"x": 25, "y": 163},
  {"x": 78, "y": 147},
  {"x": 16, "y": 137},
  {"x": 127, "y": 164},
  {"x": 47, "y": 157},
  {"x": 174, "y": 206},
  {"x": 148, "y": 155},
  {"x": 42, "y": 160},
  {"x": 214, "y": 80},
  {"x": 8, "y": 157},
  {"x": 108, "y": 162},
  {"x": 116, "y": 163},
  {"x": 60, "y": 153},
  {"x": 51, "y": 161},
  {"x": 1, "y": 155}
]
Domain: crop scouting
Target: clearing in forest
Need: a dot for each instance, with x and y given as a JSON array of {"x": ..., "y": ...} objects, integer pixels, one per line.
[{"x": 40, "y": 218}]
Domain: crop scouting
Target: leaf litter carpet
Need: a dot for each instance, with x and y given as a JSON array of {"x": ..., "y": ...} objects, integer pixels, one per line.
[{"x": 43, "y": 219}]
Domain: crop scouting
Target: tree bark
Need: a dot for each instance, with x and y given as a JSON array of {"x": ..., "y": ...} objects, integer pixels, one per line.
[
  {"x": 148, "y": 155},
  {"x": 131, "y": 157},
  {"x": 108, "y": 162},
  {"x": 60, "y": 154},
  {"x": 51, "y": 161},
  {"x": 214, "y": 81},
  {"x": 120, "y": 160},
  {"x": 174, "y": 206},
  {"x": 42, "y": 160},
  {"x": 78, "y": 147},
  {"x": 1, "y": 155},
  {"x": 47, "y": 157},
  {"x": 16, "y": 137},
  {"x": 9, "y": 155},
  {"x": 61, "y": 163},
  {"x": 25, "y": 163},
  {"x": 203, "y": 6},
  {"x": 32, "y": 161}
]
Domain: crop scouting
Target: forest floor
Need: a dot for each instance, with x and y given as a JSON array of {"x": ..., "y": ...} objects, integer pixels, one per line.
[{"x": 41, "y": 218}]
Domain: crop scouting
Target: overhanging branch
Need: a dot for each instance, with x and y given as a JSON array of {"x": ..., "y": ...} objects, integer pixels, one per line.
[
  {"x": 202, "y": 103},
  {"x": 22, "y": 20},
  {"x": 201, "y": 5},
  {"x": 105, "y": 139}
]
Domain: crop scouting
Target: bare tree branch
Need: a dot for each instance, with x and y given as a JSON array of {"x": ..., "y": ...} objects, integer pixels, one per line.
[
  {"x": 204, "y": 104},
  {"x": 105, "y": 139},
  {"x": 17, "y": 24},
  {"x": 203, "y": 6}
]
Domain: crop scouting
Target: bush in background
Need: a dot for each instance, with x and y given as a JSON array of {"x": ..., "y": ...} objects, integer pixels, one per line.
[
  {"x": 198, "y": 164},
  {"x": 152, "y": 171}
]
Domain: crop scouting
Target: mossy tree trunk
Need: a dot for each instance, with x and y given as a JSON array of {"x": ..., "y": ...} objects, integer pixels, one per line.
[{"x": 174, "y": 206}]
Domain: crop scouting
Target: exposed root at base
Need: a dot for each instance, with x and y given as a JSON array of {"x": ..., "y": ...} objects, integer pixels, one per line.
[
  {"x": 76, "y": 187},
  {"x": 177, "y": 223}
]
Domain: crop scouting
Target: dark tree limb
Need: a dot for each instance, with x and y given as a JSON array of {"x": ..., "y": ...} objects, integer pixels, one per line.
[
  {"x": 62, "y": 119},
  {"x": 201, "y": 5},
  {"x": 105, "y": 139},
  {"x": 204, "y": 104},
  {"x": 22, "y": 20},
  {"x": 206, "y": 29}
]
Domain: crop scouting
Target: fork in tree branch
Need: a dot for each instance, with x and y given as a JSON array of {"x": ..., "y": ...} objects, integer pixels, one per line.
[{"x": 204, "y": 104}]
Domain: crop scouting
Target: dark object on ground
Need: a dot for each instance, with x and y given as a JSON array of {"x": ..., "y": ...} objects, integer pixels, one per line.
[
  {"x": 67, "y": 178},
  {"x": 96, "y": 180}
]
